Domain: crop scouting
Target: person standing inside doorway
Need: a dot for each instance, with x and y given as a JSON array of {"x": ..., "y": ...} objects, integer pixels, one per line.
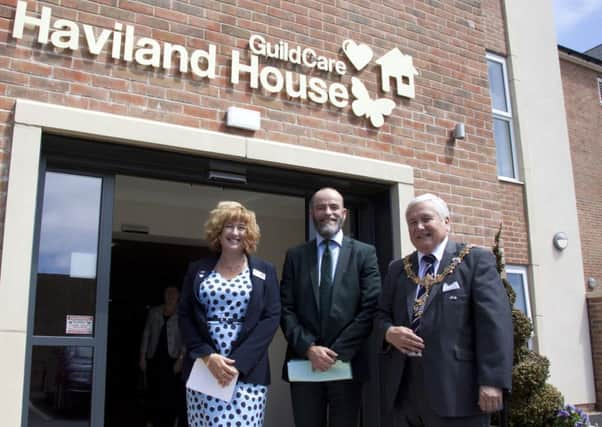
[
  {"x": 161, "y": 360},
  {"x": 229, "y": 313},
  {"x": 329, "y": 291}
]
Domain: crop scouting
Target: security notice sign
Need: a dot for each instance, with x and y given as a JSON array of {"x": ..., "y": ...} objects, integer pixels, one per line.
[{"x": 79, "y": 325}]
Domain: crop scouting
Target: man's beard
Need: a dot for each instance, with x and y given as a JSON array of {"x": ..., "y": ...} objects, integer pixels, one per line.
[{"x": 328, "y": 230}]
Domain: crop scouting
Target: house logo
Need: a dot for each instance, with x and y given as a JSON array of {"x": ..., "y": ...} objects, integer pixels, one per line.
[
  {"x": 394, "y": 67},
  {"x": 399, "y": 67}
]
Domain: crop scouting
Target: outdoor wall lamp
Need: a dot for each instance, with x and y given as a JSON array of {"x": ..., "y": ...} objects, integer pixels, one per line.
[
  {"x": 561, "y": 241},
  {"x": 459, "y": 131},
  {"x": 592, "y": 283},
  {"x": 243, "y": 118}
]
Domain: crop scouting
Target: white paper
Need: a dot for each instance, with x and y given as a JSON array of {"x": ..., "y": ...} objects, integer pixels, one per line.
[
  {"x": 201, "y": 379},
  {"x": 301, "y": 370}
]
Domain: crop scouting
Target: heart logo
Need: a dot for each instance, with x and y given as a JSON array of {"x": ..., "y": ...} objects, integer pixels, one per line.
[{"x": 359, "y": 55}]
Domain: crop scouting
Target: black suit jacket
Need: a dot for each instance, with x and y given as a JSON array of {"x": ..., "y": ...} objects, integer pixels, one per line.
[
  {"x": 355, "y": 292},
  {"x": 467, "y": 332},
  {"x": 250, "y": 350}
]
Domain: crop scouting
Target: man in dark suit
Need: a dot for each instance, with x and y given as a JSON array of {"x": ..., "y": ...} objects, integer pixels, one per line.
[
  {"x": 329, "y": 290},
  {"x": 445, "y": 324}
]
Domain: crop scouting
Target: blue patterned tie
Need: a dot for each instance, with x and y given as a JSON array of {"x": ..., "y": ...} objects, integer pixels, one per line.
[{"x": 429, "y": 260}]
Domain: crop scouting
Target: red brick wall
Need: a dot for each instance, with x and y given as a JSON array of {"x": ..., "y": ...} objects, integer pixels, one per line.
[
  {"x": 514, "y": 231},
  {"x": 447, "y": 40},
  {"x": 584, "y": 119},
  {"x": 493, "y": 19},
  {"x": 594, "y": 306}
]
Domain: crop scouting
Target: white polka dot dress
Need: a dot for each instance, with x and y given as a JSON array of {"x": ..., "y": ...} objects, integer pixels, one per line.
[{"x": 225, "y": 303}]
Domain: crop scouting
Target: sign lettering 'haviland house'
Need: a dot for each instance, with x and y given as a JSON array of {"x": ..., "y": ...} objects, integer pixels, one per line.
[{"x": 145, "y": 51}]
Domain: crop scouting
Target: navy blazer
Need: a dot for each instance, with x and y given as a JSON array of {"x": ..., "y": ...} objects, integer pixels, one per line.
[
  {"x": 250, "y": 350},
  {"x": 466, "y": 327}
]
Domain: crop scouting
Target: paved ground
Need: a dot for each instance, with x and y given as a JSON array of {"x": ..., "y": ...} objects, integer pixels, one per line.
[{"x": 596, "y": 418}]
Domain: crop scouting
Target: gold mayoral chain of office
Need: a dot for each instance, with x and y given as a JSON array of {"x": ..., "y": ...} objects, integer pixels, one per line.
[{"x": 429, "y": 280}]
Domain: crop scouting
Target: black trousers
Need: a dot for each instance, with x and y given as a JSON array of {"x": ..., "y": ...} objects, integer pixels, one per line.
[
  {"x": 322, "y": 404},
  {"x": 413, "y": 408},
  {"x": 166, "y": 399}
]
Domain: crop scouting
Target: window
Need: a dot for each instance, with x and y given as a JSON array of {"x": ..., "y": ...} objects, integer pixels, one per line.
[
  {"x": 600, "y": 89},
  {"x": 517, "y": 276},
  {"x": 503, "y": 133}
]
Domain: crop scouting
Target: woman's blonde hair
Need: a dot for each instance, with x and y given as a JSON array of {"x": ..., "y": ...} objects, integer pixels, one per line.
[{"x": 231, "y": 212}]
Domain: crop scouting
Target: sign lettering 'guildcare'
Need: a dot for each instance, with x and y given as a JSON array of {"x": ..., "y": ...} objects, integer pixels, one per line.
[{"x": 123, "y": 44}]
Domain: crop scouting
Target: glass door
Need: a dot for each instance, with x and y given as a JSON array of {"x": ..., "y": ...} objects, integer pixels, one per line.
[{"x": 67, "y": 342}]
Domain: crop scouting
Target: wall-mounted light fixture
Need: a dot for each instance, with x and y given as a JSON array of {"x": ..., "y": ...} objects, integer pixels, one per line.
[
  {"x": 459, "y": 131},
  {"x": 592, "y": 283},
  {"x": 243, "y": 118},
  {"x": 561, "y": 241}
]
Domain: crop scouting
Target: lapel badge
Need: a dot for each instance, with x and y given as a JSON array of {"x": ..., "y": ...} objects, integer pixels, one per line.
[{"x": 259, "y": 274}]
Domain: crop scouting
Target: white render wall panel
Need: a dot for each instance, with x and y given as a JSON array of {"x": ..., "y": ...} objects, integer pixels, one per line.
[
  {"x": 11, "y": 372},
  {"x": 15, "y": 276},
  {"x": 312, "y": 159},
  {"x": 128, "y": 130},
  {"x": 560, "y": 313}
]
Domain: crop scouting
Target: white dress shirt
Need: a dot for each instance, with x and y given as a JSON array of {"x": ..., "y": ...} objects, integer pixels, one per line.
[{"x": 437, "y": 253}]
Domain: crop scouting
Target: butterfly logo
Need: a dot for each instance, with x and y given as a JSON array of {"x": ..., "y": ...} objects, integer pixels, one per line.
[{"x": 373, "y": 109}]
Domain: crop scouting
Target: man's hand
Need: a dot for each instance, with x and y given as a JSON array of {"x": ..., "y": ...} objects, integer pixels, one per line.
[
  {"x": 322, "y": 358},
  {"x": 221, "y": 367},
  {"x": 490, "y": 398},
  {"x": 404, "y": 339}
]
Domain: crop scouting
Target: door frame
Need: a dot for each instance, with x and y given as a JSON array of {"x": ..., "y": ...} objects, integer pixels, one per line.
[
  {"x": 33, "y": 119},
  {"x": 88, "y": 158},
  {"x": 98, "y": 341}
]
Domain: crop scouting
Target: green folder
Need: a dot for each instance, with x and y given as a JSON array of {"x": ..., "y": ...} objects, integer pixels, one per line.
[{"x": 300, "y": 370}]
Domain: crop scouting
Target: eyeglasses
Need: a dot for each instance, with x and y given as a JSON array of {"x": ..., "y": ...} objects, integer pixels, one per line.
[{"x": 241, "y": 228}]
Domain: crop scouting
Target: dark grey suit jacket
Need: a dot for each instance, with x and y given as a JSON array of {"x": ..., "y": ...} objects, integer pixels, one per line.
[
  {"x": 355, "y": 292},
  {"x": 467, "y": 332}
]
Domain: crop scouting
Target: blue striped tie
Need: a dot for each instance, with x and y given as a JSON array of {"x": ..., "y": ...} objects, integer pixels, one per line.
[{"x": 429, "y": 260}]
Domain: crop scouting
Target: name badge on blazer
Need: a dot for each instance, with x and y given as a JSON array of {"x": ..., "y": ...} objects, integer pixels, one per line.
[
  {"x": 447, "y": 287},
  {"x": 259, "y": 274}
]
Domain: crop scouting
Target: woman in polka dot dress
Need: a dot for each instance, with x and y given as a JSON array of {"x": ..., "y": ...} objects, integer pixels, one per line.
[{"x": 228, "y": 313}]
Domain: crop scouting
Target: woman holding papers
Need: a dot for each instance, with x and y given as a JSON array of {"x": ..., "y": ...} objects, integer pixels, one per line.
[{"x": 228, "y": 313}]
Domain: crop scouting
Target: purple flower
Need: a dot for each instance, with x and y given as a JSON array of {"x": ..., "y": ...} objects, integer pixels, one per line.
[{"x": 563, "y": 413}]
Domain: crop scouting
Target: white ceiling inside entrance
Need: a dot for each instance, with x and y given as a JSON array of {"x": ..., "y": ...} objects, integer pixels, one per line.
[{"x": 178, "y": 210}]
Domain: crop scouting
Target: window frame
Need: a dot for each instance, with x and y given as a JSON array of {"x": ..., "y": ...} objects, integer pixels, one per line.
[
  {"x": 505, "y": 116},
  {"x": 522, "y": 270},
  {"x": 599, "y": 88}
]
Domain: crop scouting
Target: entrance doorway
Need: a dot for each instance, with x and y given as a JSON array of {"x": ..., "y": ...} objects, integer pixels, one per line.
[
  {"x": 115, "y": 225},
  {"x": 140, "y": 271},
  {"x": 157, "y": 231}
]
